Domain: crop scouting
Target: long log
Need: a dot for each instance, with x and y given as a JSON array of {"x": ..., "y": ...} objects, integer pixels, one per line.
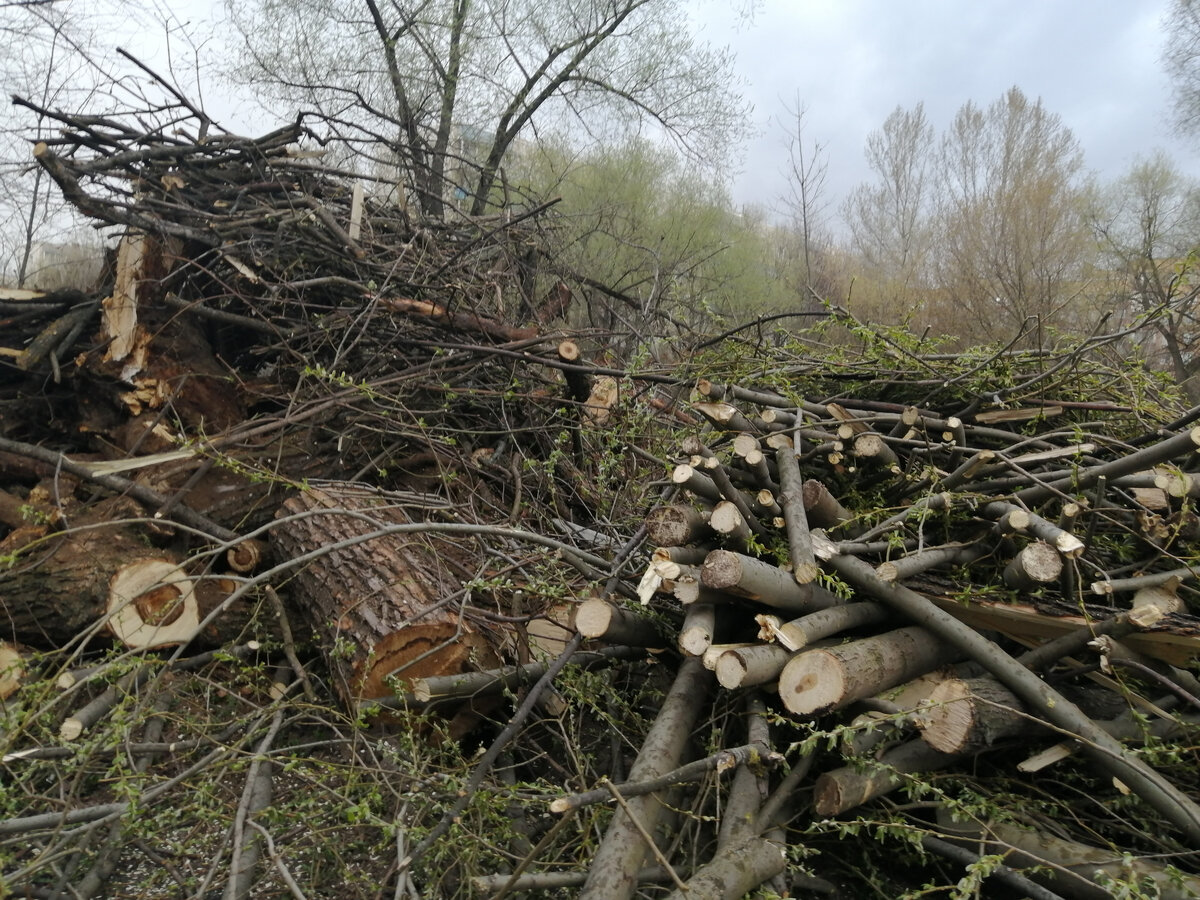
[
  {"x": 841, "y": 790},
  {"x": 753, "y": 579},
  {"x": 615, "y": 865},
  {"x": 806, "y": 630},
  {"x": 598, "y": 618},
  {"x": 791, "y": 501},
  {"x": 756, "y": 664}
]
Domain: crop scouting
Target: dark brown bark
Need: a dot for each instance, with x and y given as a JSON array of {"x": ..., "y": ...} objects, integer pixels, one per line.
[{"x": 381, "y": 607}]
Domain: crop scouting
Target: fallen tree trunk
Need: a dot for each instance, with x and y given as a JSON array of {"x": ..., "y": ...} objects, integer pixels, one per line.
[{"x": 379, "y": 605}]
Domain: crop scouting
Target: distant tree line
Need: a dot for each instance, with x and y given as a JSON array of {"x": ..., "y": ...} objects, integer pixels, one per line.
[{"x": 991, "y": 229}]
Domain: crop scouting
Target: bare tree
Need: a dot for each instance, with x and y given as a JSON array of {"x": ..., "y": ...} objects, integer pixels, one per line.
[
  {"x": 1012, "y": 237},
  {"x": 1148, "y": 223},
  {"x": 1181, "y": 59},
  {"x": 447, "y": 87},
  {"x": 806, "y": 201},
  {"x": 46, "y": 59},
  {"x": 889, "y": 220}
]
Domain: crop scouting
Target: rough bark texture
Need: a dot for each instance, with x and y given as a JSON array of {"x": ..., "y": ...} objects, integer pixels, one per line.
[{"x": 380, "y": 606}]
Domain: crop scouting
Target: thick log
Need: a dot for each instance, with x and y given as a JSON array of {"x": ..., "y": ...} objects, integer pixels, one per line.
[
  {"x": 110, "y": 576},
  {"x": 728, "y": 521},
  {"x": 599, "y": 619},
  {"x": 823, "y": 679},
  {"x": 579, "y": 384},
  {"x": 822, "y": 508},
  {"x": 729, "y": 491},
  {"x": 890, "y": 713},
  {"x": 755, "y": 664},
  {"x": 152, "y": 603},
  {"x": 686, "y": 475},
  {"x": 674, "y": 526},
  {"x": 872, "y": 447},
  {"x": 1037, "y": 564},
  {"x": 725, "y": 416},
  {"x": 376, "y": 604}
]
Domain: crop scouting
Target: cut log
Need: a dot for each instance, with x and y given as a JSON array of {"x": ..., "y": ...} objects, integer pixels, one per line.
[
  {"x": 597, "y": 618},
  {"x": 674, "y": 526},
  {"x": 1038, "y": 563},
  {"x": 12, "y": 669},
  {"x": 98, "y": 573},
  {"x": 966, "y": 715},
  {"x": 841, "y": 790},
  {"x": 377, "y": 604},
  {"x": 791, "y": 501},
  {"x": 727, "y": 521},
  {"x": 924, "y": 560},
  {"x": 823, "y": 509},
  {"x": 756, "y": 664},
  {"x": 1066, "y": 543},
  {"x": 824, "y": 679},
  {"x": 800, "y": 633},
  {"x": 152, "y": 603},
  {"x": 699, "y": 622}
]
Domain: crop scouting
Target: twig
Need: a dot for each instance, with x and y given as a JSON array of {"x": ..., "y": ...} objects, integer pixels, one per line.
[{"x": 493, "y": 752}]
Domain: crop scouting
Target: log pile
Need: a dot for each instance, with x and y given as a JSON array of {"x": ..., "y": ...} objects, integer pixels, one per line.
[
  {"x": 847, "y": 556},
  {"x": 301, "y": 443}
]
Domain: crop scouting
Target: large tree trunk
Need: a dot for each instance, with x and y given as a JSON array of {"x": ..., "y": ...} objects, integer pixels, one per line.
[
  {"x": 383, "y": 607},
  {"x": 104, "y": 570}
]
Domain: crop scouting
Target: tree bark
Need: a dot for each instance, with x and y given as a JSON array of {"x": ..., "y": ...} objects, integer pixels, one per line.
[
  {"x": 844, "y": 789},
  {"x": 378, "y": 604}
]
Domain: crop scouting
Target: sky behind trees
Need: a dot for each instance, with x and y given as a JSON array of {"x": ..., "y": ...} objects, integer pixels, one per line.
[{"x": 851, "y": 63}]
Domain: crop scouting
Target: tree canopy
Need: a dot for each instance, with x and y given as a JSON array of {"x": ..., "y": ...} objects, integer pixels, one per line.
[{"x": 443, "y": 89}]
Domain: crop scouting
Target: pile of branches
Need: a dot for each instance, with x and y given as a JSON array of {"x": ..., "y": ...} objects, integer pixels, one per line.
[
  {"x": 277, "y": 354},
  {"x": 323, "y": 575}
]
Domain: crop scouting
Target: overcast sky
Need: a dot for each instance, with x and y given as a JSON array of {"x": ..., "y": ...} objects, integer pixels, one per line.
[{"x": 1093, "y": 62}]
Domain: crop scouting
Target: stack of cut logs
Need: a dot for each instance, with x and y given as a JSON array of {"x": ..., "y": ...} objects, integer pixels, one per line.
[{"x": 783, "y": 584}]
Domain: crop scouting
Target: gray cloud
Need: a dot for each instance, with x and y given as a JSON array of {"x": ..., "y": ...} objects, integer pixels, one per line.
[{"x": 852, "y": 62}]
